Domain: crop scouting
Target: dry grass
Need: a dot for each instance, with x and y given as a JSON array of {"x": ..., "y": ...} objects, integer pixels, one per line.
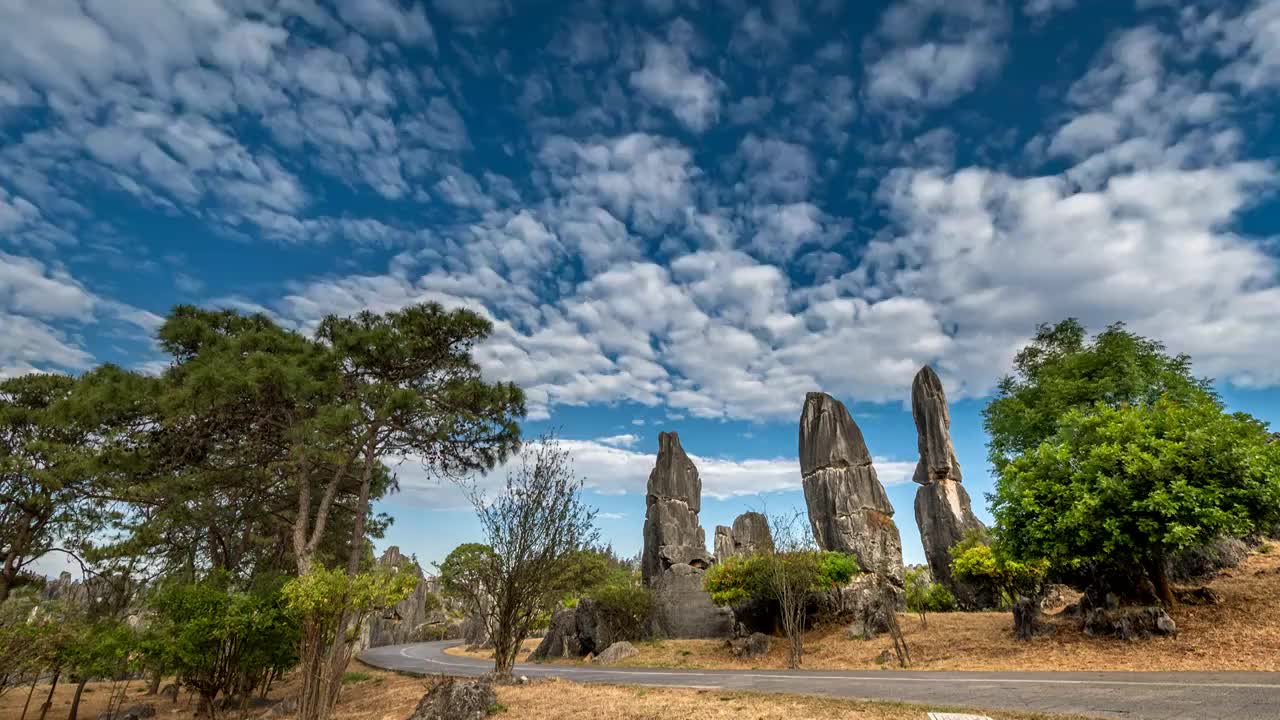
[
  {"x": 1242, "y": 633},
  {"x": 526, "y": 647},
  {"x": 390, "y": 696}
]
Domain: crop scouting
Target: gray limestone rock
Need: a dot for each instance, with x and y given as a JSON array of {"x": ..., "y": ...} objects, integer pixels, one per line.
[
  {"x": 848, "y": 508},
  {"x": 944, "y": 511},
  {"x": 615, "y": 653},
  {"x": 672, "y": 535},
  {"x": 408, "y": 620},
  {"x": 683, "y": 609},
  {"x": 454, "y": 699},
  {"x": 561, "y": 639},
  {"x": 749, "y": 535},
  {"x": 750, "y": 647}
]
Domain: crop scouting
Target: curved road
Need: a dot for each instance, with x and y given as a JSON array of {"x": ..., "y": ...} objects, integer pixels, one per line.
[{"x": 1135, "y": 695}]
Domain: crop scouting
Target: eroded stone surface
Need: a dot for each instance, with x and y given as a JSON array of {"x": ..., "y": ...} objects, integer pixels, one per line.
[
  {"x": 749, "y": 535},
  {"x": 683, "y": 609},
  {"x": 672, "y": 535},
  {"x": 943, "y": 509},
  {"x": 848, "y": 508}
]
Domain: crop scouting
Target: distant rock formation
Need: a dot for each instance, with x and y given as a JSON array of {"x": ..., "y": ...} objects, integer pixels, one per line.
[
  {"x": 409, "y": 620},
  {"x": 848, "y": 508},
  {"x": 749, "y": 535},
  {"x": 672, "y": 535},
  {"x": 943, "y": 509},
  {"x": 675, "y": 549}
]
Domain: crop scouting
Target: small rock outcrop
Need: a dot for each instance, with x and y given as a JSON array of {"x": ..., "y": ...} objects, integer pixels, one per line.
[
  {"x": 750, "y": 647},
  {"x": 749, "y": 535},
  {"x": 1028, "y": 619},
  {"x": 1129, "y": 622},
  {"x": 454, "y": 699},
  {"x": 672, "y": 535},
  {"x": 561, "y": 639},
  {"x": 615, "y": 653},
  {"x": 944, "y": 512},
  {"x": 868, "y": 604},
  {"x": 848, "y": 508}
]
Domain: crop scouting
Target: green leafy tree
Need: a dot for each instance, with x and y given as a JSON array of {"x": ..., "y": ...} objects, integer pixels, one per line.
[
  {"x": 55, "y": 435},
  {"x": 978, "y": 560},
  {"x": 1062, "y": 370},
  {"x": 322, "y": 599},
  {"x": 1126, "y": 487},
  {"x": 220, "y": 641}
]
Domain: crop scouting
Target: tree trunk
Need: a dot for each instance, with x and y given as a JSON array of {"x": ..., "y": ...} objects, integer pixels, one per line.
[
  {"x": 1159, "y": 571},
  {"x": 48, "y": 701},
  {"x": 30, "y": 692},
  {"x": 154, "y": 686},
  {"x": 75, "y": 701}
]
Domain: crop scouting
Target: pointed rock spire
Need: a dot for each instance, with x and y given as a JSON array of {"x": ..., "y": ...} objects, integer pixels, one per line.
[
  {"x": 943, "y": 508},
  {"x": 848, "y": 508}
]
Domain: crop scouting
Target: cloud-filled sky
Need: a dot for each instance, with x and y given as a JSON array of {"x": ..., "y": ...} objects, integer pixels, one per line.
[{"x": 679, "y": 215}]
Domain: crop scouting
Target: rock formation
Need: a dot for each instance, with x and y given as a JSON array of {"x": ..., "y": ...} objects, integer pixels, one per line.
[
  {"x": 749, "y": 535},
  {"x": 672, "y": 535},
  {"x": 675, "y": 549},
  {"x": 848, "y": 508},
  {"x": 408, "y": 620},
  {"x": 943, "y": 509}
]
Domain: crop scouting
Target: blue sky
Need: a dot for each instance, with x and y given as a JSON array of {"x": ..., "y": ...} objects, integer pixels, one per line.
[{"x": 679, "y": 215}]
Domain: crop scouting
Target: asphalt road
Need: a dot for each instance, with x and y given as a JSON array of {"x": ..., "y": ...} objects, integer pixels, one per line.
[{"x": 1134, "y": 695}]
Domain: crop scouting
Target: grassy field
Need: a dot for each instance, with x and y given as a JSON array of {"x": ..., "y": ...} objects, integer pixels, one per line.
[
  {"x": 380, "y": 695},
  {"x": 1242, "y": 633}
]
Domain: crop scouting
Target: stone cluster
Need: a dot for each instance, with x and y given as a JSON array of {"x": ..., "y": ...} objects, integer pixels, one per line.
[
  {"x": 848, "y": 508},
  {"x": 943, "y": 509},
  {"x": 749, "y": 535}
]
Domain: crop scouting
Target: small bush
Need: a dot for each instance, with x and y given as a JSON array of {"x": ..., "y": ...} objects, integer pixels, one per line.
[
  {"x": 351, "y": 678},
  {"x": 626, "y": 608}
]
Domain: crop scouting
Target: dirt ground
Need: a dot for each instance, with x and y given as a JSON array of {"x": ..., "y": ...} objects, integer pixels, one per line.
[
  {"x": 1242, "y": 633},
  {"x": 389, "y": 696}
]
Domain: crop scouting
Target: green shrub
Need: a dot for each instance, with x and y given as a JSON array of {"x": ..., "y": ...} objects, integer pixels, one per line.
[
  {"x": 973, "y": 560},
  {"x": 625, "y": 607},
  {"x": 351, "y": 678}
]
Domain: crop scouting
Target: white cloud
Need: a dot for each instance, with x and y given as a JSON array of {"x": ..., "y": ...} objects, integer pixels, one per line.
[
  {"x": 931, "y": 52},
  {"x": 668, "y": 79},
  {"x": 622, "y": 441},
  {"x": 615, "y": 471}
]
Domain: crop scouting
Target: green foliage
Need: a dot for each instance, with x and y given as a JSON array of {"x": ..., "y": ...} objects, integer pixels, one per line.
[
  {"x": 1128, "y": 486},
  {"x": 743, "y": 577},
  {"x": 1061, "y": 370},
  {"x": 351, "y": 678},
  {"x": 220, "y": 641},
  {"x": 626, "y": 605},
  {"x": 463, "y": 570},
  {"x": 737, "y": 578},
  {"x": 326, "y": 593},
  {"x": 924, "y": 596},
  {"x": 975, "y": 560}
]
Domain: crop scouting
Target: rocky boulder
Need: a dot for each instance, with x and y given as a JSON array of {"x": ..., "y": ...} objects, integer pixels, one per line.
[
  {"x": 749, "y": 535},
  {"x": 1028, "y": 619},
  {"x": 944, "y": 511},
  {"x": 750, "y": 647},
  {"x": 454, "y": 699},
  {"x": 683, "y": 609},
  {"x": 616, "y": 653},
  {"x": 1197, "y": 564},
  {"x": 848, "y": 508},
  {"x": 868, "y": 604},
  {"x": 1129, "y": 622},
  {"x": 561, "y": 639},
  {"x": 672, "y": 535}
]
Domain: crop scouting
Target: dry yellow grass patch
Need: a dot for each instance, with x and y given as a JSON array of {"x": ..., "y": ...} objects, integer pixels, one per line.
[
  {"x": 1242, "y": 633},
  {"x": 562, "y": 700},
  {"x": 390, "y": 696},
  {"x": 526, "y": 647}
]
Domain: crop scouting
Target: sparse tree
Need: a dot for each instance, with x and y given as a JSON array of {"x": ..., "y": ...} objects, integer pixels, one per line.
[{"x": 534, "y": 528}]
